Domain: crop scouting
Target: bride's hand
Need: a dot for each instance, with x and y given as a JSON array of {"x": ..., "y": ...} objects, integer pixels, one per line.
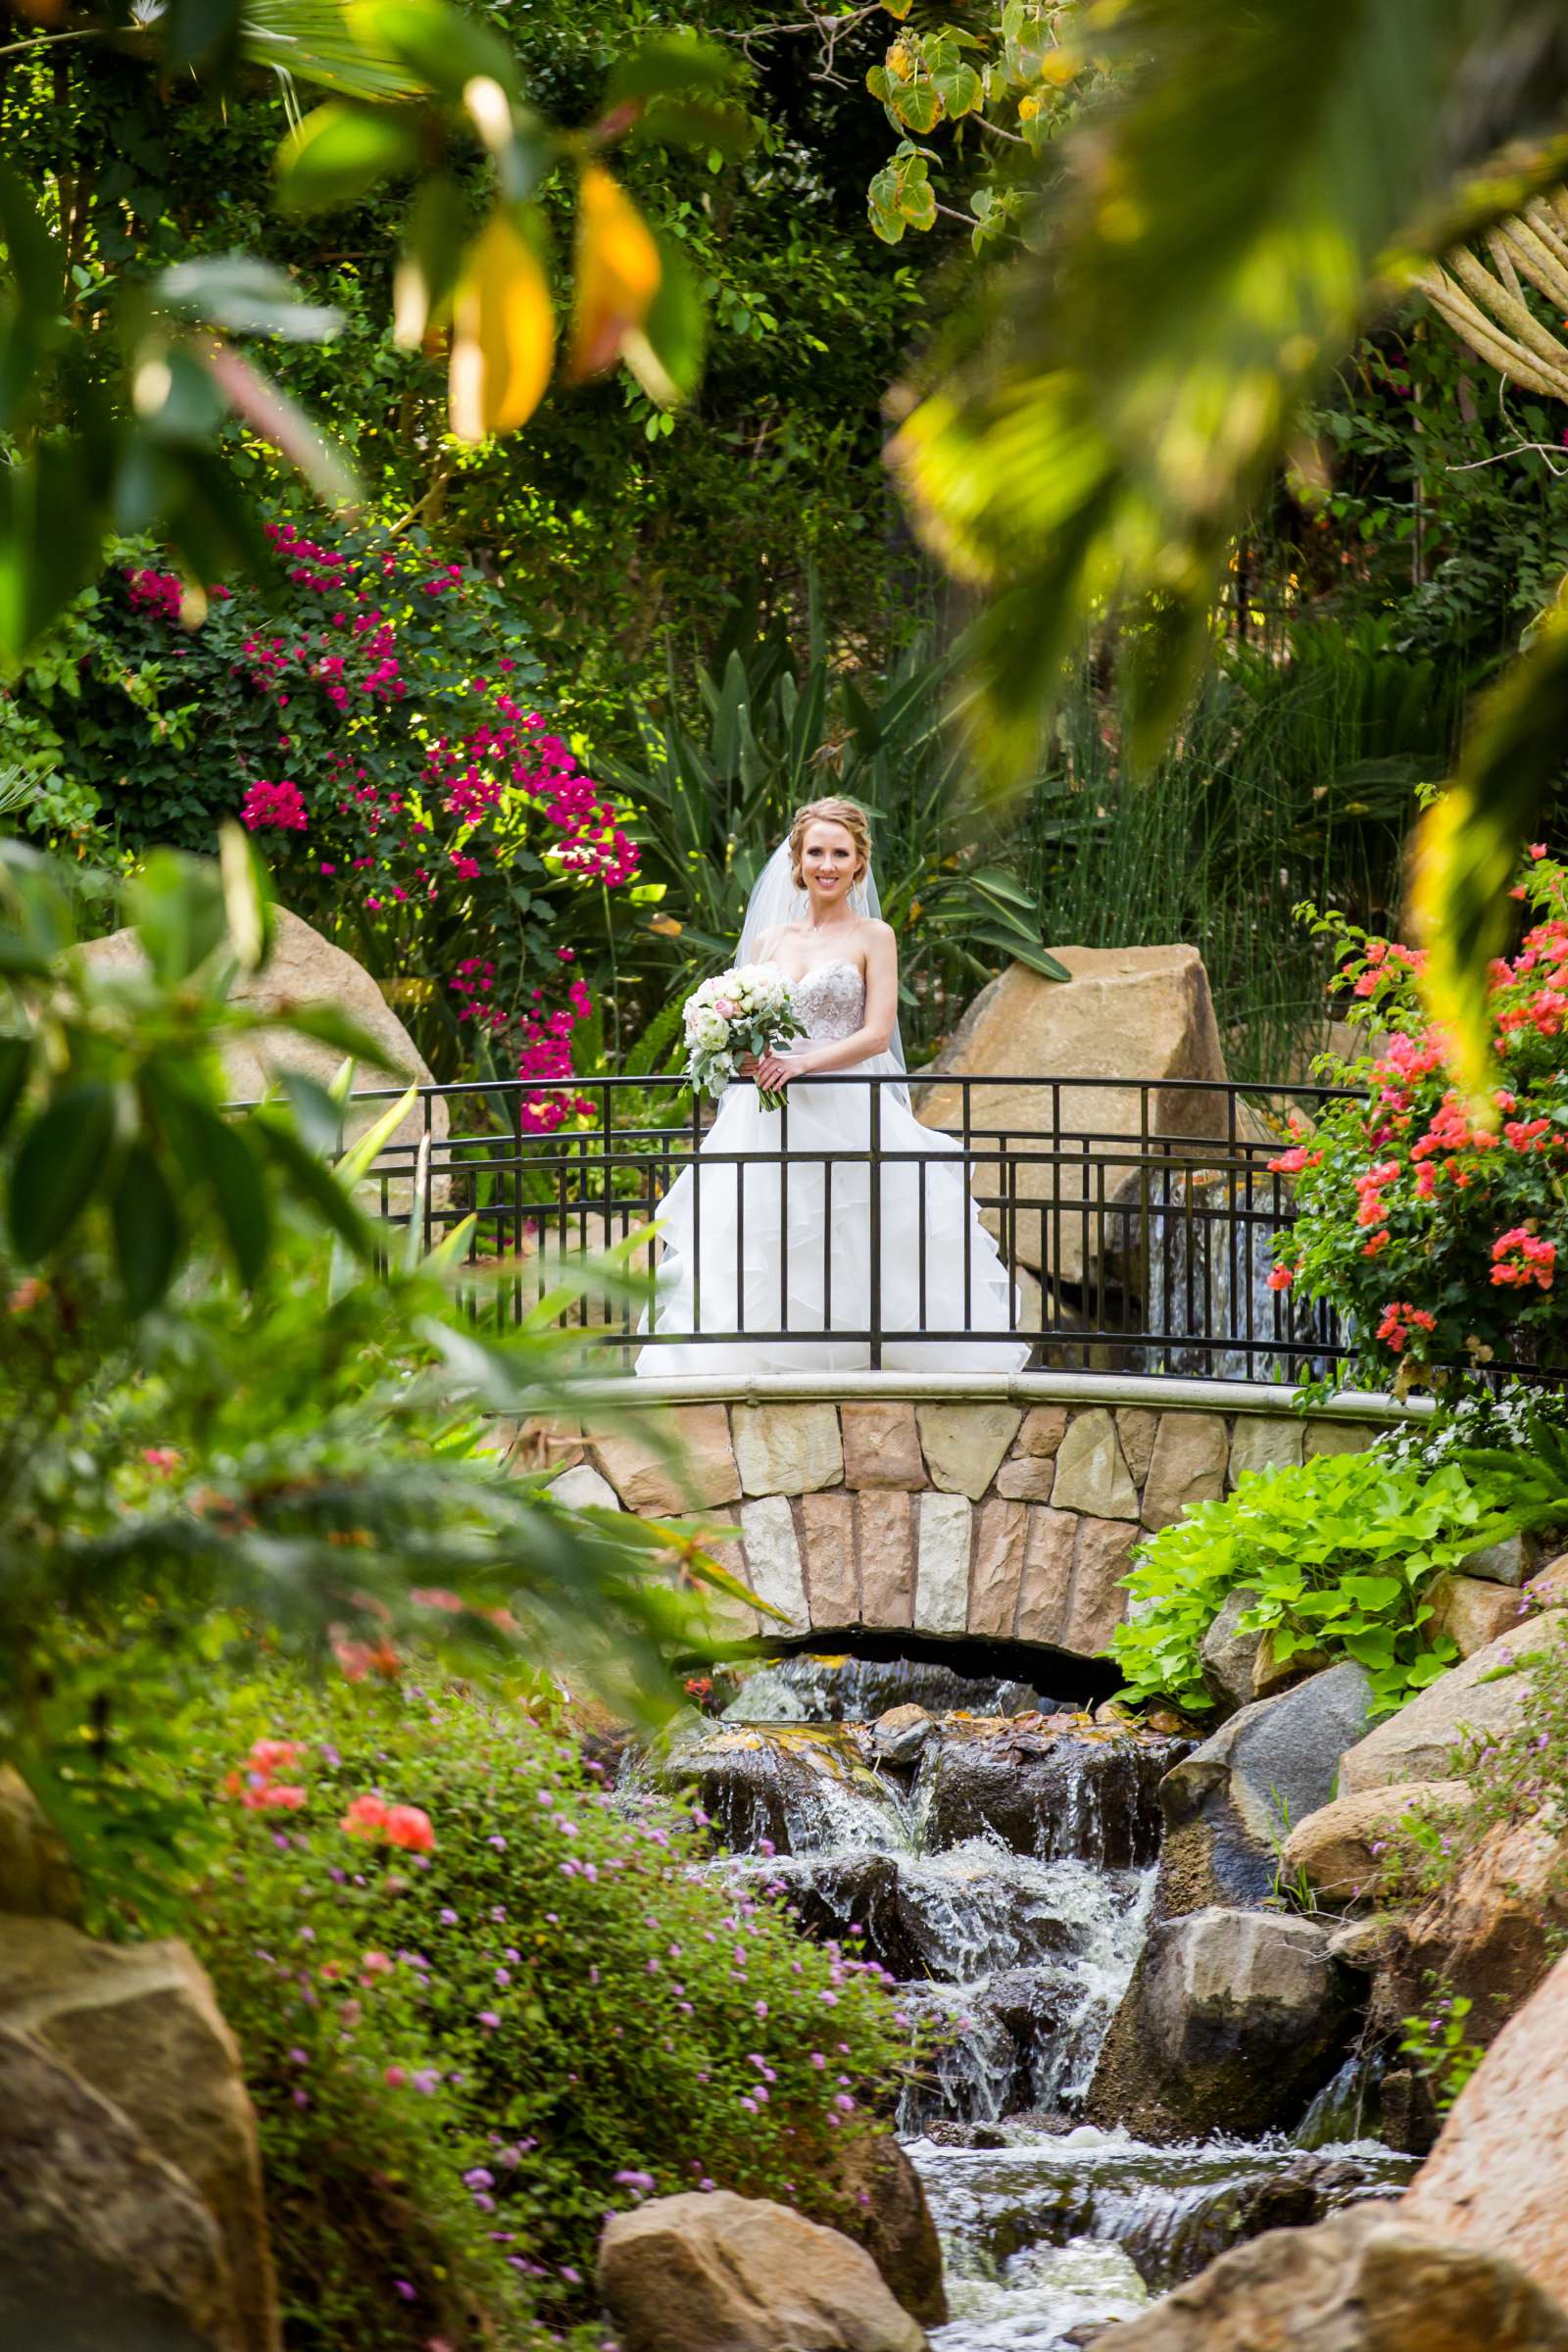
[
  {"x": 746, "y": 1067},
  {"x": 777, "y": 1068}
]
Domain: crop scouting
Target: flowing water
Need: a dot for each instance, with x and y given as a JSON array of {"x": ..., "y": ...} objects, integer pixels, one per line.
[{"x": 997, "y": 1855}]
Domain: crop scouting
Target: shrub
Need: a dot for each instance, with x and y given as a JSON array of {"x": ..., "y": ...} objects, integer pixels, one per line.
[
  {"x": 378, "y": 728},
  {"x": 1435, "y": 1234},
  {"x": 507, "y": 2006},
  {"x": 1340, "y": 1552}
]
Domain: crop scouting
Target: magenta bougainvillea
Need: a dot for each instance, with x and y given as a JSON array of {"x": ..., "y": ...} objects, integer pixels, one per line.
[
  {"x": 412, "y": 799},
  {"x": 1433, "y": 1224}
]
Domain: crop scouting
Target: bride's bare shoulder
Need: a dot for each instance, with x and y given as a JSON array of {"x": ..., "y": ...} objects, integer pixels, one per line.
[{"x": 874, "y": 932}]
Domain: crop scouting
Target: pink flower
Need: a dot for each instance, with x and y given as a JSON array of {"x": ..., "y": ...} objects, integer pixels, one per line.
[
  {"x": 274, "y": 807},
  {"x": 1281, "y": 1278}
]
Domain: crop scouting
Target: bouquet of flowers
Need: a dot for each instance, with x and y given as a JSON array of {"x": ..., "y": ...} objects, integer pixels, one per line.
[{"x": 742, "y": 1011}]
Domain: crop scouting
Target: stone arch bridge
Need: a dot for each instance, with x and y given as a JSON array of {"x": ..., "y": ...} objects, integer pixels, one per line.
[{"x": 989, "y": 1508}]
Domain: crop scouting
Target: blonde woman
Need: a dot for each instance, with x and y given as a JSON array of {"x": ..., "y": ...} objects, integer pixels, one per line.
[{"x": 787, "y": 1254}]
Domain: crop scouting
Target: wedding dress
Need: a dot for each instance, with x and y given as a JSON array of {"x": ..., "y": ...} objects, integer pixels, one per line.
[{"x": 755, "y": 1244}]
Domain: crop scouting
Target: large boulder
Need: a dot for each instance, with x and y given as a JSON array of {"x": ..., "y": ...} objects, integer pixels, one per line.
[
  {"x": 1232, "y": 2020},
  {"x": 1365, "y": 2281},
  {"x": 303, "y": 969},
  {"x": 1342, "y": 1847},
  {"x": 885, "y": 2210},
  {"x": 1229, "y": 1805},
  {"x": 102, "y": 2243},
  {"x": 140, "y": 2024},
  {"x": 1125, "y": 1014},
  {"x": 1497, "y": 2178},
  {"x": 36, "y": 1876},
  {"x": 719, "y": 2272},
  {"x": 1486, "y": 1696},
  {"x": 1087, "y": 1794}
]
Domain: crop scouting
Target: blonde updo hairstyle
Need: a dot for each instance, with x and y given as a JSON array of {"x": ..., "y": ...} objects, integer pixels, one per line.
[{"x": 835, "y": 812}]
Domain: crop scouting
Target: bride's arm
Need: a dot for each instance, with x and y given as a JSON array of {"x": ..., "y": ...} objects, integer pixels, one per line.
[{"x": 876, "y": 1024}]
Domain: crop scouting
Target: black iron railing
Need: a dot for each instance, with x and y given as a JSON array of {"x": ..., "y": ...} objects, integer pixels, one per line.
[{"x": 1139, "y": 1216}]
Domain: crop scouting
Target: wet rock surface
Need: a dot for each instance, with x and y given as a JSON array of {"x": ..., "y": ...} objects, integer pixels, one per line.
[
  {"x": 1229, "y": 1803},
  {"x": 1047, "y": 1787},
  {"x": 1232, "y": 2020}
]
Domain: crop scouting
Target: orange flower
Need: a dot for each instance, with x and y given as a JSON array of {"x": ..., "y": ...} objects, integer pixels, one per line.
[
  {"x": 409, "y": 1826},
  {"x": 365, "y": 1816}
]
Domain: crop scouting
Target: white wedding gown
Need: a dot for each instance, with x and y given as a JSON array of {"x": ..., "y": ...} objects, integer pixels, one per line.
[{"x": 785, "y": 1248}]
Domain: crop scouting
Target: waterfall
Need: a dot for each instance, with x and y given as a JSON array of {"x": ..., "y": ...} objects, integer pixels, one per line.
[
  {"x": 1210, "y": 1251},
  {"x": 996, "y": 1854}
]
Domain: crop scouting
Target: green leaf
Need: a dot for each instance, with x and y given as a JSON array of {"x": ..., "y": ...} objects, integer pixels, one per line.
[
  {"x": 58, "y": 1167},
  {"x": 341, "y": 151},
  {"x": 671, "y": 63},
  {"x": 362, "y": 1154},
  {"x": 956, "y": 83},
  {"x": 433, "y": 244},
  {"x": 34, "y": 258},
  {"x": 666, "y": 356},
  {"x": 316, "y": 1187},
  {"x": 320, "y": 1121},
  {"x": 1468, "y": 844},
  {"x": 239, "y": 1194},
  {"x": 311, "y": 40},
  {"x": 444, "y": 48},
  {"x": 197, "y": 30},
  {"x": 15, "y": 1063},
  {"x": 147, "y": 1229},
  {"x": 1373, "y": 1592},
  {"x": 51, "y": 535},
  {"x": 916, "y": 103},
  {"x": 247, "y": 897},
  {"x": 176, "y": 910}
]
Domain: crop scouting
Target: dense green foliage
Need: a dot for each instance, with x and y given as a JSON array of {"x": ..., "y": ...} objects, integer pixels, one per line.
[
  {"x": 1339, "y": 1551},
  {"x": 224, "y": 1388},
  {"x": 464, "y": 2056},
  {"x": 614, "y": 519}
]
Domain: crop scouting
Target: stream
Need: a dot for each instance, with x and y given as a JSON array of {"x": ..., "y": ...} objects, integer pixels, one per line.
[{"x": 996, "y": 1849}]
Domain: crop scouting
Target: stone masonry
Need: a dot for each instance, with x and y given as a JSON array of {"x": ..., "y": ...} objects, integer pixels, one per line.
[{"x": 999, "y": 1520}]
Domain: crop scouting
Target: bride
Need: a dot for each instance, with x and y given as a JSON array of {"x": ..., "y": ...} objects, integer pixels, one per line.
[{"x": 766, "y": 1232}]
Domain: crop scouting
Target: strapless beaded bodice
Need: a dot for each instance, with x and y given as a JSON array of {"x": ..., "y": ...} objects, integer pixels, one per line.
[{"x": 831, "y": 1001}]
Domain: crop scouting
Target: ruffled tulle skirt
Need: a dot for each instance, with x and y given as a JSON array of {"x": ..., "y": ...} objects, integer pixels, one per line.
[{"x": 753, "y": 1243}]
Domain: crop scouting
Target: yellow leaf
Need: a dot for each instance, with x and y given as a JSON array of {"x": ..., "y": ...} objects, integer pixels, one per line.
[
  {"x": 503, "y": 334},
  {"x": 618, "y": 273}
]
